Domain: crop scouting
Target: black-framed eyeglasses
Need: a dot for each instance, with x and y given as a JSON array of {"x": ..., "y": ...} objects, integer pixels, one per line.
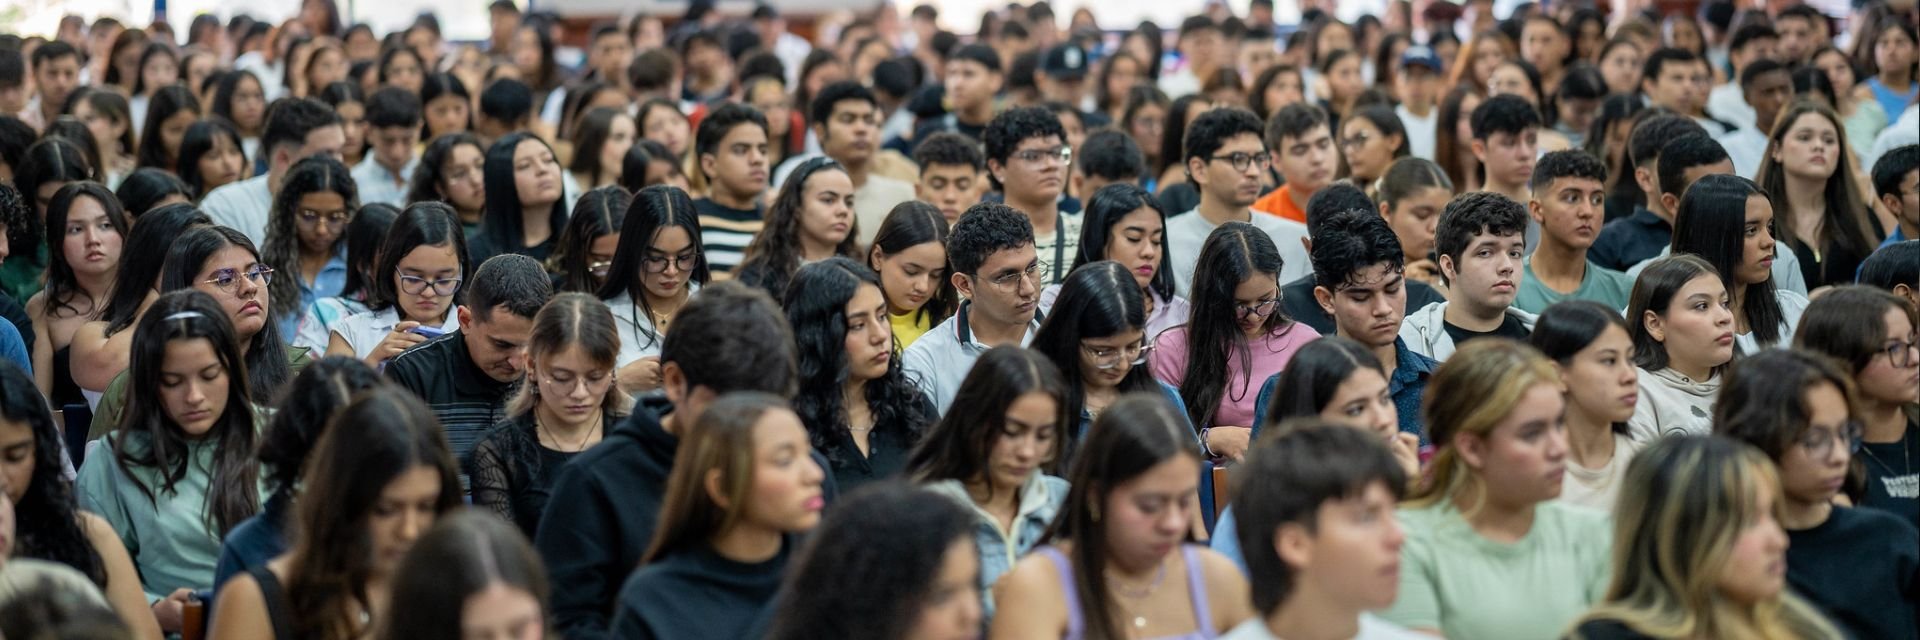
[
  {"x": 1241, "y": 160},
  {"x": 227, "y": 279},
  {"x": 415, "y": 285},
  {"x": 1355, "y": 141},
  {"x": 1033, "y": 156},
  {"x": 1819, "y": 441},
  {"x": 1109, "y": 357},
  {"x": 1261, "y": 309},
  {"x": 658, "y": 264},
  {"x": 332, "y": 218},
  {"x": 1901, "y": 354}
]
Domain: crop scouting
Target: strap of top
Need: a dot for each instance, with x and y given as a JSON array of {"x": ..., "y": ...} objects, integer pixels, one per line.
[
  {"x": 276, "y": 598},
  {"x": 1197, "y": 589},
  {"x": 1076, "y": 625}
]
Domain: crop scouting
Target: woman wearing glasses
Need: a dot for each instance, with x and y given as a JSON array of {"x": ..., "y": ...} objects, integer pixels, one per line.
[
  {"x": 305, "y": 237},
  {"x": 1871, "y": 332},
  {"x": 1858, "y": 566},
  {"x": 584, "y": 256},
  {"x": 565, "y": 407},
  {"x": 1098, "y": 339},
  {"x": 1238, "y": 337},
  {"x": 421, "y": 271},
  {"x": 1126, "y": 224},
  {"x": 657, "y": 265}
]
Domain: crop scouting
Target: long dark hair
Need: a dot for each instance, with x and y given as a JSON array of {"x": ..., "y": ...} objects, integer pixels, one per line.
[
  {"x": 420, "y": 224},
  {"x": 1314, "y": 375},
  {"x": 146, "y": 187},
  {"x": 501, "y": 219},
  {"x": 313, "y": 397},
  {"x": 718, "y": 451},
  {"x": 1174, "y": 133},
  {"x": 1234, "y": 253},
  {"x": 1104, "y": 210},
  {"x": 653, "y": 209},
  {"x": 223, "y": 94},
  {"x": 1136, "y": 434},
  {"x": 598, "y": 213},
  {"x": 1711, "y": 223},
  {"x": 959, "y": 446},
  {"x": 46, "y": 515},
  {"x": 908, "y": 225},
  {"x": 816, "y": 306},
  {"x": 200, "y": 139},
  {"x": 1104, "y": 101},
  {"x": 62, "y": 286},
  {"x": 893, "y": 538},
  {"x": 232, "y": 495},
  {"x": 437, "y": 85},
  {"x": 775, "y": 252},
  {"x": 317, "y": 174},
  {"x": 589, "y": 137},
  {"x": 465, "y": 553},
  {"x": 363, "y": 237},
  {"x": 1098, "y": 300},
  {"x": 1564, "y": 330},
  {"x": 1848, "y": 324},
  {"x": 153, "y": 50},
  {"x": 1445, "y": 147},
  {"x": 431, "y": 170},
  {"x": 266, "y": 355},
  {"x": 143, "y": 254},
  {"x": 51, "y": 160},
  {"x": 1615, "y": 109},
  {"x": 1845, "y": 223},
  {"x": 168, "y": 101}
]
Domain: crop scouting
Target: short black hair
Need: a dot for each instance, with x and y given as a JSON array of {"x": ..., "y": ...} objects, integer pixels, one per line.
[
  {"x": 1350, "y": 241},
  {"x": 13, "y": 69},
  {"x": 1293, "y": 121},
  {"x": 1212, "y": 129},
  {"x": 720, "y": 121},
  {"x": 1757, "y": 68},
  {"x": 15, "y": 137},
  {"x": 1749, "y": 33},
  {"x": 1650, "y": 133},
  {"x": 1660, "y": 58},
  {"x": 503, "y": 6},
  {"x": 1683, "y": 153},
  {"x": 1504, "y": 114},
  {"x": 1801, "y": 11},
  {"x": 290, "y": 120},
  {"x": 822, "y": 108},
  {"x": 1014, "y": 126},
  {"x": 895, "y": 77},
  {"x": 1341, "y": 195},
  {"x": 984, "y": 55},
  {"x": 1893, "y": 167},
  {"x": 393, "y": 107},
  {"x": 762, "y": 63},
  {"x": 1566, "y": 163},
  {"x": 1473, "y": 213},
  {"x": 733, "y": 337},
  {"x": 1197, "y": 23},
  {"x": 507, "y": 100},
  {"x": 986, "y": 228},
  {"x": 950, "y": 149},
  {"x": 53, "y": 50},
  {"x": 1285, "y": 481},
  {"x": 1897, "y": 263},
  {"x": 1111, "y": 155},
  {"x": 509, "y": 280}
]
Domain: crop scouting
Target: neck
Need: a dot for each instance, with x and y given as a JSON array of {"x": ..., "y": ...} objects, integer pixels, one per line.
[
  {"x": 1910, "y": 229},
  {"x": 1388, "y": 355},
  {"x": 1556, "y": 260},
  {"x": 748, "y": 543},
  {"x": 1518, "y": 192},
  {"x": 857, "y": 172},
  {"x": 1885, "y": 421},
  {"x": 1311, "y": 615},
  {"x": 1418, "y": 108},
  {"x": 854, "y": 393},
  {"x": 993, "y": 498},
  {"x": 814, "y": 249},
  {"x": 274, "y": 175},
  {"x": 1807, "y": 197},
  {"x": 1738, "y": 306},
  {"x": 95, "y": 286},
  {"x": 991, "y": 332},
  {"x": 535, "y": 223},
  {"x": 1043, "y": 214},
  {"x": 977, "y": 114},
  {"x": 1694, "y": 372},
  {"x": 1493, "y": 519},
  {"x": 666, "y": 305},
  {"x": 1895, "y": 78},
  {"x": 727, "y": 198},
  {"x": 562, "y": 427},
  {"x": 395, "y": 168},
  {"x": 1473, "y": 316},
  {"x": 1800, "y": 515},
  {"x": 1219, "y": 212},
  {"x": 1589, "y": 439},
  {"x": 1300, "y": 197},
  {"x": 1658, "y": 208},
  {"x": 312, "y": 263}
]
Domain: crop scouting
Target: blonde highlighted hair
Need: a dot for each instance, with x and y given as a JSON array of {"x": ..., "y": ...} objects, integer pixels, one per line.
[{"x": 1477, "y": 388}]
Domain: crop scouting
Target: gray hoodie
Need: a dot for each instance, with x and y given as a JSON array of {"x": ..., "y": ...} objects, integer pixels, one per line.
[
  {"x": 1671, "y": 404},
  {"x": 1425, "y": 331}
]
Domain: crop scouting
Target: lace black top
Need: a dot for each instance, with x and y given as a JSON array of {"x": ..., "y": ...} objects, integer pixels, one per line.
[{"x": 512, "y": 472}]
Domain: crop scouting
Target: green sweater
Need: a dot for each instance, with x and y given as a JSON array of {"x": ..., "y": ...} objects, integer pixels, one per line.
[
  {"x": 167, "y": 534},
  {"x": 113, "y": 401},
  {"x": 1455, "y": 580}
]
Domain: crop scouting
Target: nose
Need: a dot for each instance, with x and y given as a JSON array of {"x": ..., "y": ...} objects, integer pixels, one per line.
[
  {"x": 1556, "y": 443},
  {"x": 810, "y": 473},
  {"x": 1026, "y": 448},
  {"x": 1149, "y": 251},
  {"x": 196, "y": 393},
  {"x": 882, "y": 333},
  {"x": 245, "y": 287},
  {"x": 412, "y": 521},
  {"x": 1380, "y": 306}
]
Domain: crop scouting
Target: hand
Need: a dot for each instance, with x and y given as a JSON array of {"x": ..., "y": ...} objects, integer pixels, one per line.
[
  {"x": 169, "y": 611},
  {"x": 400, "y": 339},
  {"x": 1424, "y": 270},
  {"x": 1229, "y": 442},
  {"x": 640, "y": 375},
  {"x": 1406, "y": 451}
]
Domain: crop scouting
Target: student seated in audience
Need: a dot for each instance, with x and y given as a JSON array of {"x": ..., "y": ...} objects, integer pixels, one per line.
[
  {"x": 465, "y": 375},
  {"x": 1125, "y": 224},
  {"x": 992, "y": 263},
  {"x": 918, "y": 568},
  {"x": 1359, "y": 281},
  {"x": 1728, "y": 221},
  {"x": 1412, "y": 193},
  {"x": 360, "y": 241},
  {"x": 1672, "y": 78},
  {"x": 741, "y": 493},
  {"x": 730, "y": 337},
  {"x": 1861, "y": 567},
  {"x": 179, "y": 472},
  {"x": 811, "y": 220},
  {"x": 47, "y": 522},
  {"x": 1870, "y": 333},
  {"x": 909, "y": 253},
  {"x": 1567, "y": 200},
  {"x": 1767, "y": 87},
  {"x": 506, "y": 107},
  {"x": 1481, "y": 241},
  {"x": 583, "y": 259},
  {"x": 101, "y": 345},
  {"x": 1809, "y": 173},
  {"x": 846, "y": 119},
  {"x": 38, "y": 597},
  {"x": 1099, "y": 341},
  {"x": 1490, "y": 552},
  {"x": 562, "y": 408},
  {"x": 858, "y": 406},
  {"x": 973, "y": 77},
  {"x": 1506, "y": 131},
  {"x": 1107, "y": 156},
  {"x": 1226, "y": 160},
  {"x": 393, "y": 133},
  {"x": 659, "y": 245},
  {"x": 1027, "y": 159},
  {"x": 1120, "y": 533},
  {"x": 1589, "y": 344},
  {"x": 1693, "y": 158},
  {"x": 85, "y": 234},
  {"x": 305, "y": 238},
  {"x": 730, "y": 148},
  {"x": 1628, "y": 241},
  {"x": 471, "y": 575},
  {"x": 1297, "y": 296},
  {"x": 1301, "y": 135},
  {"x": 1896, "y": 184},
  {"x": 295, "y": 130},
  {"x": 1718, "y": 577},
  {"x": 525, "y": 210},
  {"x": 1371, "y": 138},
  {"x": 452, "y": 170},
  {"x": 953, "y": 173},
  {"x": 380, "y": 475},
  {"x": 1682, "y": 326},
  {"x": 422, "y": 269},
  {"x": 1320, "y": 501}
]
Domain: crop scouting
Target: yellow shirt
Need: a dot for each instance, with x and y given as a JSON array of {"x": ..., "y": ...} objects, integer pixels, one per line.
[{"x": 906, "y": 329}]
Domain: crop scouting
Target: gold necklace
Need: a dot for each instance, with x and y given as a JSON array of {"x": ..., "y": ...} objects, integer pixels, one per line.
[{"x": 561, "y": 445}]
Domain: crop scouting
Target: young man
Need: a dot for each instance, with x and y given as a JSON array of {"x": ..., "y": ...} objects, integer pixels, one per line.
[
  {"x": 654, "y": 73},
  {"x": 1481, "y": 240},
  {"x": 729, "y": 337},
  {"x": 973, "y": 78},
  {"x": 1689, "y": 158},
  {"x": 1316, "y": 508},
  {"x": 993, "y": 265},
  {"x": 1728, "y": 101},
  {"x": 1895, "y": 268},
  {"x": 1199, "y": 46},
  {"x": 731, "y": 145},
  {"x": 504, "y": 19},
  {"x": 56, "y": 73},
  {"x": 1896, "y": 182},
  {"x": 1303, "y": 149},
  {"x": 1547, "y": 46},
  {"x": 846, "y": 119},
  {"x": 1108, "y": 156},
  {"x": 1258, "y": 51},
  {"x": 953, "y": 173},
  {"x": 1799, "y": 27},
  {"x": 1678, "y": 80},
  {"x": 1027, "y": 160},
  {"x": 466, "y": 376},
  {"x": 1568, "y": 202},
  {"x": 1225, "y": 160},
  {"x": 1506, "y": 138},
  {"x": 709, "y": 72},
  {"x": 609, "y": 54},
  {"x": 1419, "y": 85},
  {"x": 295, "y": 130},
  {"x": 1063, "y": 75},
  {"x": 1297, "y": 296},
  {"x": 1628, "y": 241},
  {"x": 1357, "y": 268},
  {"x": 506, "y": 106},
  {"x": 393, "y": 130},
  {"x": 1767, "y": 87}
]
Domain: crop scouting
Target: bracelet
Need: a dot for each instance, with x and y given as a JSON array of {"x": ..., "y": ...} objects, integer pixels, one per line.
[{"x": 1204, "y": 449}]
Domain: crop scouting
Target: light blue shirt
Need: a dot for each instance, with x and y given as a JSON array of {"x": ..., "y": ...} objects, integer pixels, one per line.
[
  {"x": 326, "y": 284},
  {"x": 377, "y": 184},
  {"x": 15, "y": 349}
]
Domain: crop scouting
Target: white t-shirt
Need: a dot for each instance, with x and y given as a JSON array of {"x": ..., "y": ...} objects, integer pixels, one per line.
[
  {"x": 1187, "y": 232},
  {"x": 1371, "y": 628},
  {"x": 1598, "y": 488},
  {"x": 874, "y": 200},
  {"x": 1745, "y": 146},
  {"x": 1420, "y": 131},
  {"x": 363, "y": 331},
  {"x": 1728, "y": 102},
  {"x": 242, "y": 206}
]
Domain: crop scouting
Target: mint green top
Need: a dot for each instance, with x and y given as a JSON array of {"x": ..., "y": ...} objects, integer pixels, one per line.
[
  {"x": 1600, "y": 284},
  {"x": 167, "y": 535},
  {"x": 1467, "y": 586}
]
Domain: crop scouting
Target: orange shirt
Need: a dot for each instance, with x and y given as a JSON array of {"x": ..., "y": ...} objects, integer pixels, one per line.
[{"x": 1279, "y": 202}]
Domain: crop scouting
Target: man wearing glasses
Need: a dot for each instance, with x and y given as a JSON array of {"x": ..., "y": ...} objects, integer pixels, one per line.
[
  {"x": 1481, "y": 239},
  {"x": 995, "y": 267},
  {"x": 1027, "y": 160},
  {"x": 1226, "y": 160}
]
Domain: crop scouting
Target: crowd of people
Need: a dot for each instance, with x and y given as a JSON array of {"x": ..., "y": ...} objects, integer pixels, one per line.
[{"x": 1580, "y": 322}]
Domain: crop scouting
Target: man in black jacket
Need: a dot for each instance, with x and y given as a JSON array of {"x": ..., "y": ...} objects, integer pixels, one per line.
[{"x": 606, "y": 502}]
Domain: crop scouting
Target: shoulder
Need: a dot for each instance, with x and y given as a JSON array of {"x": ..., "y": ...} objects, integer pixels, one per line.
[
  {"x": 1877, "y": 526},
  {"x": 1575, "y": 521},
  {"x": 1174, "y": 339},
  {"x": 1791, "y": 302},
  {"x": 1034, "y": 575},
  {"x": 1606, "y": 629},
  {"x": 1056, "y": 488}
]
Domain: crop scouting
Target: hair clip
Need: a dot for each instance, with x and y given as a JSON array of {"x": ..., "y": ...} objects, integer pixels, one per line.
[{"x": 183, "y": 315}]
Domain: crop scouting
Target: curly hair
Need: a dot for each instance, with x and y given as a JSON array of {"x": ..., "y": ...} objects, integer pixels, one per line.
[
  {"x": 47, "y": 513},
  {"x": 775, "y": 252},
  {"x": 318, "y": 174},
  {"x": 816, "y": 307}
]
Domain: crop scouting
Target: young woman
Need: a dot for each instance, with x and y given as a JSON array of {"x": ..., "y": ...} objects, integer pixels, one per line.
[
  {"x": 107, "y": 116},
  {"x": 1453, "y": 138},
  {"x": 1589, "y": 344},
  {"x": 1098, "y": 340},
  {"x": 471, "y": 576},
  {"x": 785, "y": 135},
  {"x": 148, "y": 188},
  {"x": 179, "y": 472},
  {"x": 993, "y": 457},
  {"x": 743, "y": 488},
  {"x": 1280, "y": 85},
  {"x": 600, "y": 143},
  {"x": 1238, "y": 338},
  {"x": 350, "y": 103},
  {"x": 122, "y": 62},
  {"x": 1340, "y": 380},
  {"x": 1180, "y": 115},
  {"x": 1371, "y": 140},
  {"x": 379, "y": 477},
  {"x": 305, "y": 237},
  {"x": 1893, "y": 83},
  {"x": 159, "y": 67},
  {"x": 910, "y": 254},
  {"x": 446, "y": 106},
  {"x": 364, "y": 234},
  {"x": 420, "y": 273},
  {"x": 48, "y": 524},
  {"x": 1114, "y": 563},
  {"x": 649, "y": 163},
  {"x": 1125, "y": 224},
  {"x": 1714, "y": 576},
  {"x": 566, "y": 406},
  {"x": 212, "y": 156},
  {"x": 1576, "y": 101},
  {"x": 662, "y": 122},
  {"x": 1728, "y": 221},
  {"x": 1473, "y": 67},
  {"x": 451, "y": 170},
  {"x": 1606, "y": 139},
  {"x": 811, "y": 220},
  {"x": 1621, "y": 62},
  {"x": 657, "y": 267},
  {"x": 858, "y": 406},
  {"x": 1861, "y": 116},
  {"x": 1871, "y": 333},
  {"x": 402, "y": 67},
  {"x": 100, "y": 346},
  {"x": 1118, "y": 75},
  {"x": 584, "y": 256},
  {"x": 1146, "y": 119},
  {"x": 1412, "y": 193},
  {"x": 1341, "y": 70},
  {"x": 241, "y": 99},
  {"x": 1681, "y": 322},
  {"x": 1486, "y": 515},
  {"x": 173, "y": 110},
  {"x": 526, "y": 209},
  {"x": 1809, "y": 175},
  {"x": 85, "y": 236},
  {"x": 1802, "y": 411}
]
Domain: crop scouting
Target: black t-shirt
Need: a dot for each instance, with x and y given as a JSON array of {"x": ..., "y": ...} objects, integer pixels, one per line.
[
  {"x": 1509, "y": 328},
  {"x": 1297, "y": 298},
  {"x": 1860, "y": 567},
  {"x": 1893, "y": 475},
  {"x": 697, "y": 594},
  {"x": 1606, "y": 630}
]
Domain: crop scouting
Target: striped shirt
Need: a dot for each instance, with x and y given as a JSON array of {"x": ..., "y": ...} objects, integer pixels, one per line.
[
  {"x": 462, "y": 396},
  {"x": 725, "y": 233}
]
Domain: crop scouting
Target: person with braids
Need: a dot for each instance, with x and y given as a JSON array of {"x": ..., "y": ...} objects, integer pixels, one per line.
[{"x": 306, "y": 238}]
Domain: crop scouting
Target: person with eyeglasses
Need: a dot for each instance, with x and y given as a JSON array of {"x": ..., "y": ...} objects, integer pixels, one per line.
[
  {"x": 1227, "y": 161},
  {"x": 300, "y": 128},
  {"x": 660, "y": 264},
  {"x": 1859, "y": 566},
  {"x": 1871, "y": 333},
  {"x": 420, "y": 273},
  {"x": 1098, "y": 339},
  {"x": 1481, "y": 241},
  {"x": 993, "y": 266},
  {"x": 1027, "y": 161},
  {"x": 306, "y": 237},
  {"x": 565, "y": 407},
  {"x": 584, "y": 256}
]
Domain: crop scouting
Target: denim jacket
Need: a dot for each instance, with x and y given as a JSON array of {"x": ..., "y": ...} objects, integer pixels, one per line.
[{"x": 1040, "y": 500}]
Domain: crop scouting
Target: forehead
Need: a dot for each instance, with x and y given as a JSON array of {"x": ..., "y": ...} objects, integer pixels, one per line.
[
  {"x": 1040, "y": 142},
  {"x": 852, "y": 105},
  {"x": 1011, "y": 259},
  {"x": 1370, "y": 277},
  {"x": 1313, "y": 133},
  {"x": 530, "y": 148},
  {"x": 1242, "y": 142}
]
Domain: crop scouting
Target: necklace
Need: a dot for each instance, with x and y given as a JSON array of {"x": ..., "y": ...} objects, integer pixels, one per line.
[
  {"x": 1136, "y": 593},
  {"x": 1906, "y": 456},
  {"x": 562, "y": 444}
]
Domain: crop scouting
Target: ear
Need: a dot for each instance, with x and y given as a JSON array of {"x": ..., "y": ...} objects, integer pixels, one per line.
[
  {"x": 1448, "y": 269},
  {"x": 874, "y": 254},
  {"x": 1656, "y": 327},
  {"x": 707, "y": 160},
  {"x": 1306, "y": 243},
  {"x": 465, "y": 315},
  {"x": 1294, "y": 545},
  {"x": 1472, "y": 449},
  {"x": 1385, "y": 212},
  {"x": 1325, "y": 298},
  {"x": 1535, "y": 211},
  {"x": 1671, "y": 202},
  {"x": 1644, "y": 177},
  {"x": 1480, "y": 150},
  {"x": 1891, "y": 201},
  {"x": 962, "y": 284},
  {"x": 995, "y": 169},
  {"x": 1197, "y": 169},
  {"x": 1907, "y": 292},
  {"x": 716, "y": 489}
]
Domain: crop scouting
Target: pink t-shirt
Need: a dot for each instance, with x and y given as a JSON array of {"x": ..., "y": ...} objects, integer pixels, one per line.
[{"x": 1270, "y": 355}]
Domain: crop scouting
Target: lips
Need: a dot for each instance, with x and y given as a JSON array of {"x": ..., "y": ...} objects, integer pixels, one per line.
[
  {"x": 196, "y": 415},
  {"x": 1026, "y": 306},
  {"x": 1503, "y": 286},
  {"x": 250, "y": 308},
  {"x": 815, "y": 503},
  {"x": 1724, "y": 339},
  {"x": 884, "y": 357},
  {"x": 1146, "y": 269},
  {"x": 1583, "y": 230},
  {"x": 1631, "y": 399}
]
